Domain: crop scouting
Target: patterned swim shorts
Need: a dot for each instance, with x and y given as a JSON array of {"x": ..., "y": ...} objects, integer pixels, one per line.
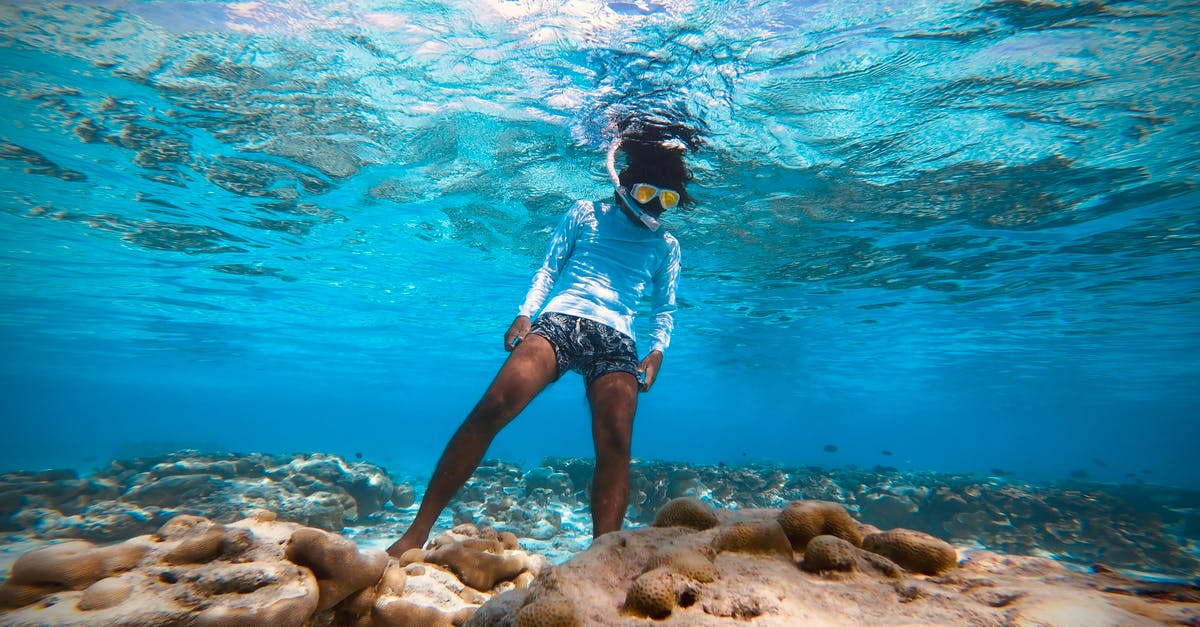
[{"x": 586, "y": 346}]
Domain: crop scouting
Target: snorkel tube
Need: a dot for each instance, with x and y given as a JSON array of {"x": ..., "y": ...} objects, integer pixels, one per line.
[{"x": 650, "y": 221}]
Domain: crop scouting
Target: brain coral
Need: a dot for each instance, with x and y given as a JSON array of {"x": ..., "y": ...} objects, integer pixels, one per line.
[
  {"x": 691, "y": 562},
  {"x": 547, "y": 611},
  {"x": 182, "y": 526},
  {"x": 76, "y": 564},
  {"x": 686, "y": 512},
  {"x": 830, "y": 553},
  {"x": 104, "y": 594},
  {"x": 804, "y": 520},
  {"x": 913, "y": 550},
  {"x": 765, "y": 538},
  {"x": 199, "y": 548},
  {"x": 14, "y": 595},
  {"x": 656, "y": 593}
]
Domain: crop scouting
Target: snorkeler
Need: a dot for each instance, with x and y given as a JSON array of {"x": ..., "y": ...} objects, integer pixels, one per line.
[{"x": 600, "y": 260}]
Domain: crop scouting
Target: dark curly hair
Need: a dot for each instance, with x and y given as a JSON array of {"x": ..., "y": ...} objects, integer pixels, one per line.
[{"x": 654, "y": 154}]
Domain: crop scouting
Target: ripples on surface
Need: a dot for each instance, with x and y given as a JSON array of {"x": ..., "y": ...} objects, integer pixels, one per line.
[{"x": 979, "y": 195}]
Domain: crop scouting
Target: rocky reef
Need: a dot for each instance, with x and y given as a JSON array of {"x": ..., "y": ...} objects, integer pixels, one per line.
[
  {"x": 1142, "y": 528},
  {"x": 259, "y": 571},
  {"x": 763, "y": 567},
  {"x": 128, "y": 498},
  {"x": 807, "y": 563},
  {"x": 196, "y": 539}
]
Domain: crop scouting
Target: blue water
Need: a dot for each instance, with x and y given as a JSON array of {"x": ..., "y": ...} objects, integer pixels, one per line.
[{"x": 964, "y": 233}]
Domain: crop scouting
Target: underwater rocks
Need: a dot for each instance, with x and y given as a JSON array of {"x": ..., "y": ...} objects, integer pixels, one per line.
[
  {"x": 259, "y": 571},
  {"x": 128, "y": 498},
  {"x": 1145, "y": 528},
  {"x": 541, "y": 504},
  {"x": 743, "y": 572},
  {"x": 1140, "y": 528}
]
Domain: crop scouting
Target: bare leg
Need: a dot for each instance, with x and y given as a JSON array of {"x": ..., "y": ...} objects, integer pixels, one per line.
[
  {"x": 613, "y": 398},
  {"x": 529, "y": 369}
]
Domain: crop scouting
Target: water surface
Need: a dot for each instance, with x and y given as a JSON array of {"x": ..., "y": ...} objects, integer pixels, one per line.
[{"x": 963, "y": 233}]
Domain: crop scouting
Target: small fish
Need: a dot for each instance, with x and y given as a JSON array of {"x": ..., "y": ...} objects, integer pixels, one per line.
[
  {"x": 830, "y": 448},
  {"x": 358, "y": 455},
  {"x": 1078, "y": 473},
  {"x": 1099, "y": 462},
  {"x": 886, "y": 452}
]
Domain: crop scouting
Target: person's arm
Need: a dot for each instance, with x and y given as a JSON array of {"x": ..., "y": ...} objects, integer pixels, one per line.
[
  {"x": 562, "y": 243},
  {"x": 663, "y": 304}
]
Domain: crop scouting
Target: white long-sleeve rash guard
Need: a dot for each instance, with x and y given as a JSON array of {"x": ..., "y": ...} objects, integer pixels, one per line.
[{"x": 602, "y": 261}]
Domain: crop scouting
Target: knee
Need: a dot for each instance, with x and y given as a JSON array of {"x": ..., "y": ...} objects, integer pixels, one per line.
[
  {"x": 613, "y": 441},
  {"x": 614, "y": 456},
  {"x": 492, "y": 412}
]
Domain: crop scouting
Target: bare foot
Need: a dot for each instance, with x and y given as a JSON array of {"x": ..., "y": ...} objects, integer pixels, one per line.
[{"x": 405, "y": 543}]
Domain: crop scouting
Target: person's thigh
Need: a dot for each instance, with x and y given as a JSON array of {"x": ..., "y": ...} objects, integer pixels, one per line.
[
  {"x": 530, "y": 367},
  {"x": 613, "y": 399}
]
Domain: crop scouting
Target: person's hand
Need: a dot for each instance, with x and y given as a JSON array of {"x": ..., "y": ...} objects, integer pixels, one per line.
[
  {"x": 650, "y": 366},
  {"x": 516, "y": 332}
]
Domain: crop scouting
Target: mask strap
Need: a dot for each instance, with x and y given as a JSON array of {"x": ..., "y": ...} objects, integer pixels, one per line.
[{"x": 650, "y": 221}]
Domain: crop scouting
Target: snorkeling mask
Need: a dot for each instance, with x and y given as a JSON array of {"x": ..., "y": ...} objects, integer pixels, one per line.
[
  {"x": 645, "y": 192},
  {"x": 642, "y": 192}
]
